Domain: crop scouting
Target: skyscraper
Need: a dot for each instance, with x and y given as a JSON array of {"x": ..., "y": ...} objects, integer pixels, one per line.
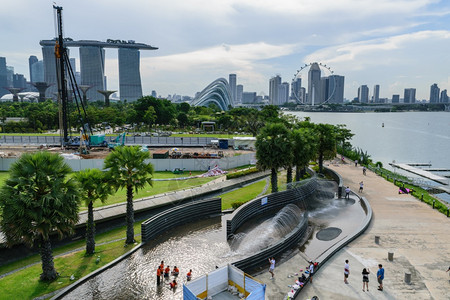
[
  {"x": 32, "y": 60},
  {"x": 410, "y": 95},
  {"x": 3, "y": 74},
  {"x": 239, "y": 91},
  {"x": 434, "y": 93},
  {"x": 335, "y": 89},
  {"x": 376, "y": 93},
  {"x": 283, "y": 93},
  {"x": 129, "y": 74},
  {"x": 395, "y": 98},
  {"x": 273, "y": 89},
  {"x": 232, "y": 83},
  {"x": 37, "y": 71},
  {"x": 92, "y": 65},
  {"x": 444, "y": 97},
  {"x": 295, "y": 89},
  {"x": 314, "y": 84},
  {"x": 363, "y": 94}
]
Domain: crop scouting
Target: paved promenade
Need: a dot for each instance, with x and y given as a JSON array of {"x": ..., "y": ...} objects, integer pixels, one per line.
[{"x": 416, "y": 234}]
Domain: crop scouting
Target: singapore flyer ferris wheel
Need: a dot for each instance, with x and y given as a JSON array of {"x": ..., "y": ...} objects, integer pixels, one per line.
[{"x": 320, "y": 85}]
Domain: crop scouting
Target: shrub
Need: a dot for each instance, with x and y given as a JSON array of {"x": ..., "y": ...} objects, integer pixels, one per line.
[
  {"x": 236, "y": 204},
  {"x": 242, "y": 173}
]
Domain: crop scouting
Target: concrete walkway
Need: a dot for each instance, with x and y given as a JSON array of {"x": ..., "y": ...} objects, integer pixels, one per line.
[{"x": 416, "y": 234}]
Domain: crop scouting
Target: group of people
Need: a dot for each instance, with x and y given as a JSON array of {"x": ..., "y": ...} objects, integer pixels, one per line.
[
  {"x": 163, "y": 274},
  {"x": 365, "y": 276}
]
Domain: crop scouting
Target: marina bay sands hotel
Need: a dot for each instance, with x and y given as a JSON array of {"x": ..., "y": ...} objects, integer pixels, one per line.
[{"x": 92, "y": 66}]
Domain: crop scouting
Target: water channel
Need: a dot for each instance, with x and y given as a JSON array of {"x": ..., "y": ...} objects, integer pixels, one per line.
[{"x": 201, "y": 246}]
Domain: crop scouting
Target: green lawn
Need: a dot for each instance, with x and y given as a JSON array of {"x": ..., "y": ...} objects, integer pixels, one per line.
[
  {"x": 243, "y": 194},
  {"x": 217, "y": 135}
]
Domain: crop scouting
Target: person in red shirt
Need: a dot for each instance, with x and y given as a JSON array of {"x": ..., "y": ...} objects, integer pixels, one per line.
[
  {"x": 173, "y": 284},
  {"x": 158, "y": 276},
  {"x": 161, "y": 266},
  {"x": 175, "y": 271},
  {"x": 167, "y": 272},
  {"x": 189, "y": 275}
]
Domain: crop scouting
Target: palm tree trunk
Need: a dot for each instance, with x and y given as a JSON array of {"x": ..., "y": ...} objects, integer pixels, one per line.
[
  {"x": 130, "y": 216},
  {"x": 320, "y": 162},
  {"x": 90, "y": 230},
  {"x": 289, "y": 176},
  {"x": 298, "y": 173},
  {"x": 48, "y": 268},
  {"x": 274, "y": 180}
]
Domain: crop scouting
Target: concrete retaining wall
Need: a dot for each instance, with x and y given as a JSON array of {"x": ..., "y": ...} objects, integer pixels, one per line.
[
  {"x": 336, "y": 177},
  {"x": 178, "y": 215},
  {"x": 159, "y": 164}
]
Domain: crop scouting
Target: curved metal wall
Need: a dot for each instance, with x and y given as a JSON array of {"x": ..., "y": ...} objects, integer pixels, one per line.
[{"x": 217, "y": 92}]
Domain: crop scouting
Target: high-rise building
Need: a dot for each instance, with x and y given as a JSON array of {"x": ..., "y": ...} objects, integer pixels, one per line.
[
  {"x": 153, "y": 93},
  {"x": 434, "y": 93},
  {"x": 9, "y": 76},
  {"x": 273, "y": 89},
  {"x": 239, "y": 91},
  {"x": 335, "y": 89},
  {"x": 409, "y": 95},
  {"x": 444, "y": 97},
  {"x": 295, "y": 89},
  {"x": 32, "y": 60},
  {"x": 283, "y": 93},
  {"x": 314, "y": 84},
  {"x": 232, "y": 83},
  {"x": 248, "y": 97},
  {"x": 92, "y": 66},
  {"x": 376, "y": 93},
  {"x": 363, "y": 94},
  {"x": 3, "y": 74},
  {"x": 395, "y": 98},
  {"x": 129, "y": 74},
  {"x": 37, "y": 71},
  {"x": 19, "y": 81}
]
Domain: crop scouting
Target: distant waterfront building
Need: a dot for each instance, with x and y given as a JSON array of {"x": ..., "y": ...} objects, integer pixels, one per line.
[
  {"x": 395, "y": 98},
  {"x": 274, "y": 83},
  {"x": 295, "y": 89},
  {"x": 3, "y": 74},
  {"x": 283, "y": 93},
  {"x": 31, "y": 61},
  {"x": 444, "y": 97},
  {"x": 232, "y": 82},
  {"x": 314, "y": 84},
  {"x": 239, "y": 91},
  {"x": 37, "y": 72},
  {"x": 129, "y": 74},
  {"x": 335, "y": 89},
  {"x": 248, "y": 97},
  {"x": 363, "y": 94},
  {"x": 19, "y": 81},
  {"x": 376, "y": 93},
  {"x": 434, "y": 93},
  {"x": 409, "y": 95},
  {"x": 153, "y": 93},
  {"x": 92, "y": 67}
]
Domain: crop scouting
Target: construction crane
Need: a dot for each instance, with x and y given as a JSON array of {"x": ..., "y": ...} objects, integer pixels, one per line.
[{"x": 66, "y": 78}]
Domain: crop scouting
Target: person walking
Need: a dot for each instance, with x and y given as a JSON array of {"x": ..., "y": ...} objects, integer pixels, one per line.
[
  {"x": 380, "y": 277},
  {"x": 364, "y": 170},
  {"x": 365, "y": 275},
  {"x": 272, "y": 265},
  {"x": 361, "y": 186},
  {"x": 347, "y": 193},
  {"x": 311, "y": 270},
  {"x": 356, "y": 163},
  {"x": 346, "y": 271},
  {"x": 158, "y": 276}
]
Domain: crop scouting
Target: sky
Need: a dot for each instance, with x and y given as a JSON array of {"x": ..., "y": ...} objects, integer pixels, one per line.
[{"x": 397, "y": 44}]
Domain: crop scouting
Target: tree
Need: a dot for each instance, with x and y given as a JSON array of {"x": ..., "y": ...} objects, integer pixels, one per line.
[
  {"x": 343, "y": 135},
  {"x": 36, "y": 201},
  {"x": 273, "y": 150},
  {"x": 304, "y": 149},
  {"x": 326, "y": 142},
  {"x": 94, "y": 187},
  {"x": 127, "y": 169},
  {"x": 150, "y": 116}
]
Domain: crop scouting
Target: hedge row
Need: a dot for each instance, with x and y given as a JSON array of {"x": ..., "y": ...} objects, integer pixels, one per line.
[{"x": 242, "y": 173}]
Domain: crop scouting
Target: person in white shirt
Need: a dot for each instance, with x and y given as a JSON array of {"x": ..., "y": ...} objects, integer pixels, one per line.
[
  {"x": 272, "y": 265},
  {"x": 346, "y": 271}
]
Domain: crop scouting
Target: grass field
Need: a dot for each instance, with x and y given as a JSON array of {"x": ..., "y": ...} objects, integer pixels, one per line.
[{"x": 243, "y": 194}]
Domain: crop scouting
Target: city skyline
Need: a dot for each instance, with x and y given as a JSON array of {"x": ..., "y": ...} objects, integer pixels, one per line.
[{"x": 394, "y": 44}]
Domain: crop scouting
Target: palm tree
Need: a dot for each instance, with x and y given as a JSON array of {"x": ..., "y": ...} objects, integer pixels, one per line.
[
  {"x": 273, "y": 150},
  {"x": 326, "y": 145},
  {"x": 127, "y": 169},
  {"x": 93, "y": 186},
  {"x": 36, "y": 201},
  {"x": 304, "y": 149}
]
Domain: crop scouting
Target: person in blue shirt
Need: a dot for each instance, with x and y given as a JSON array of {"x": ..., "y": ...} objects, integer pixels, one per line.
[{"x": 380, "y": 277}]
